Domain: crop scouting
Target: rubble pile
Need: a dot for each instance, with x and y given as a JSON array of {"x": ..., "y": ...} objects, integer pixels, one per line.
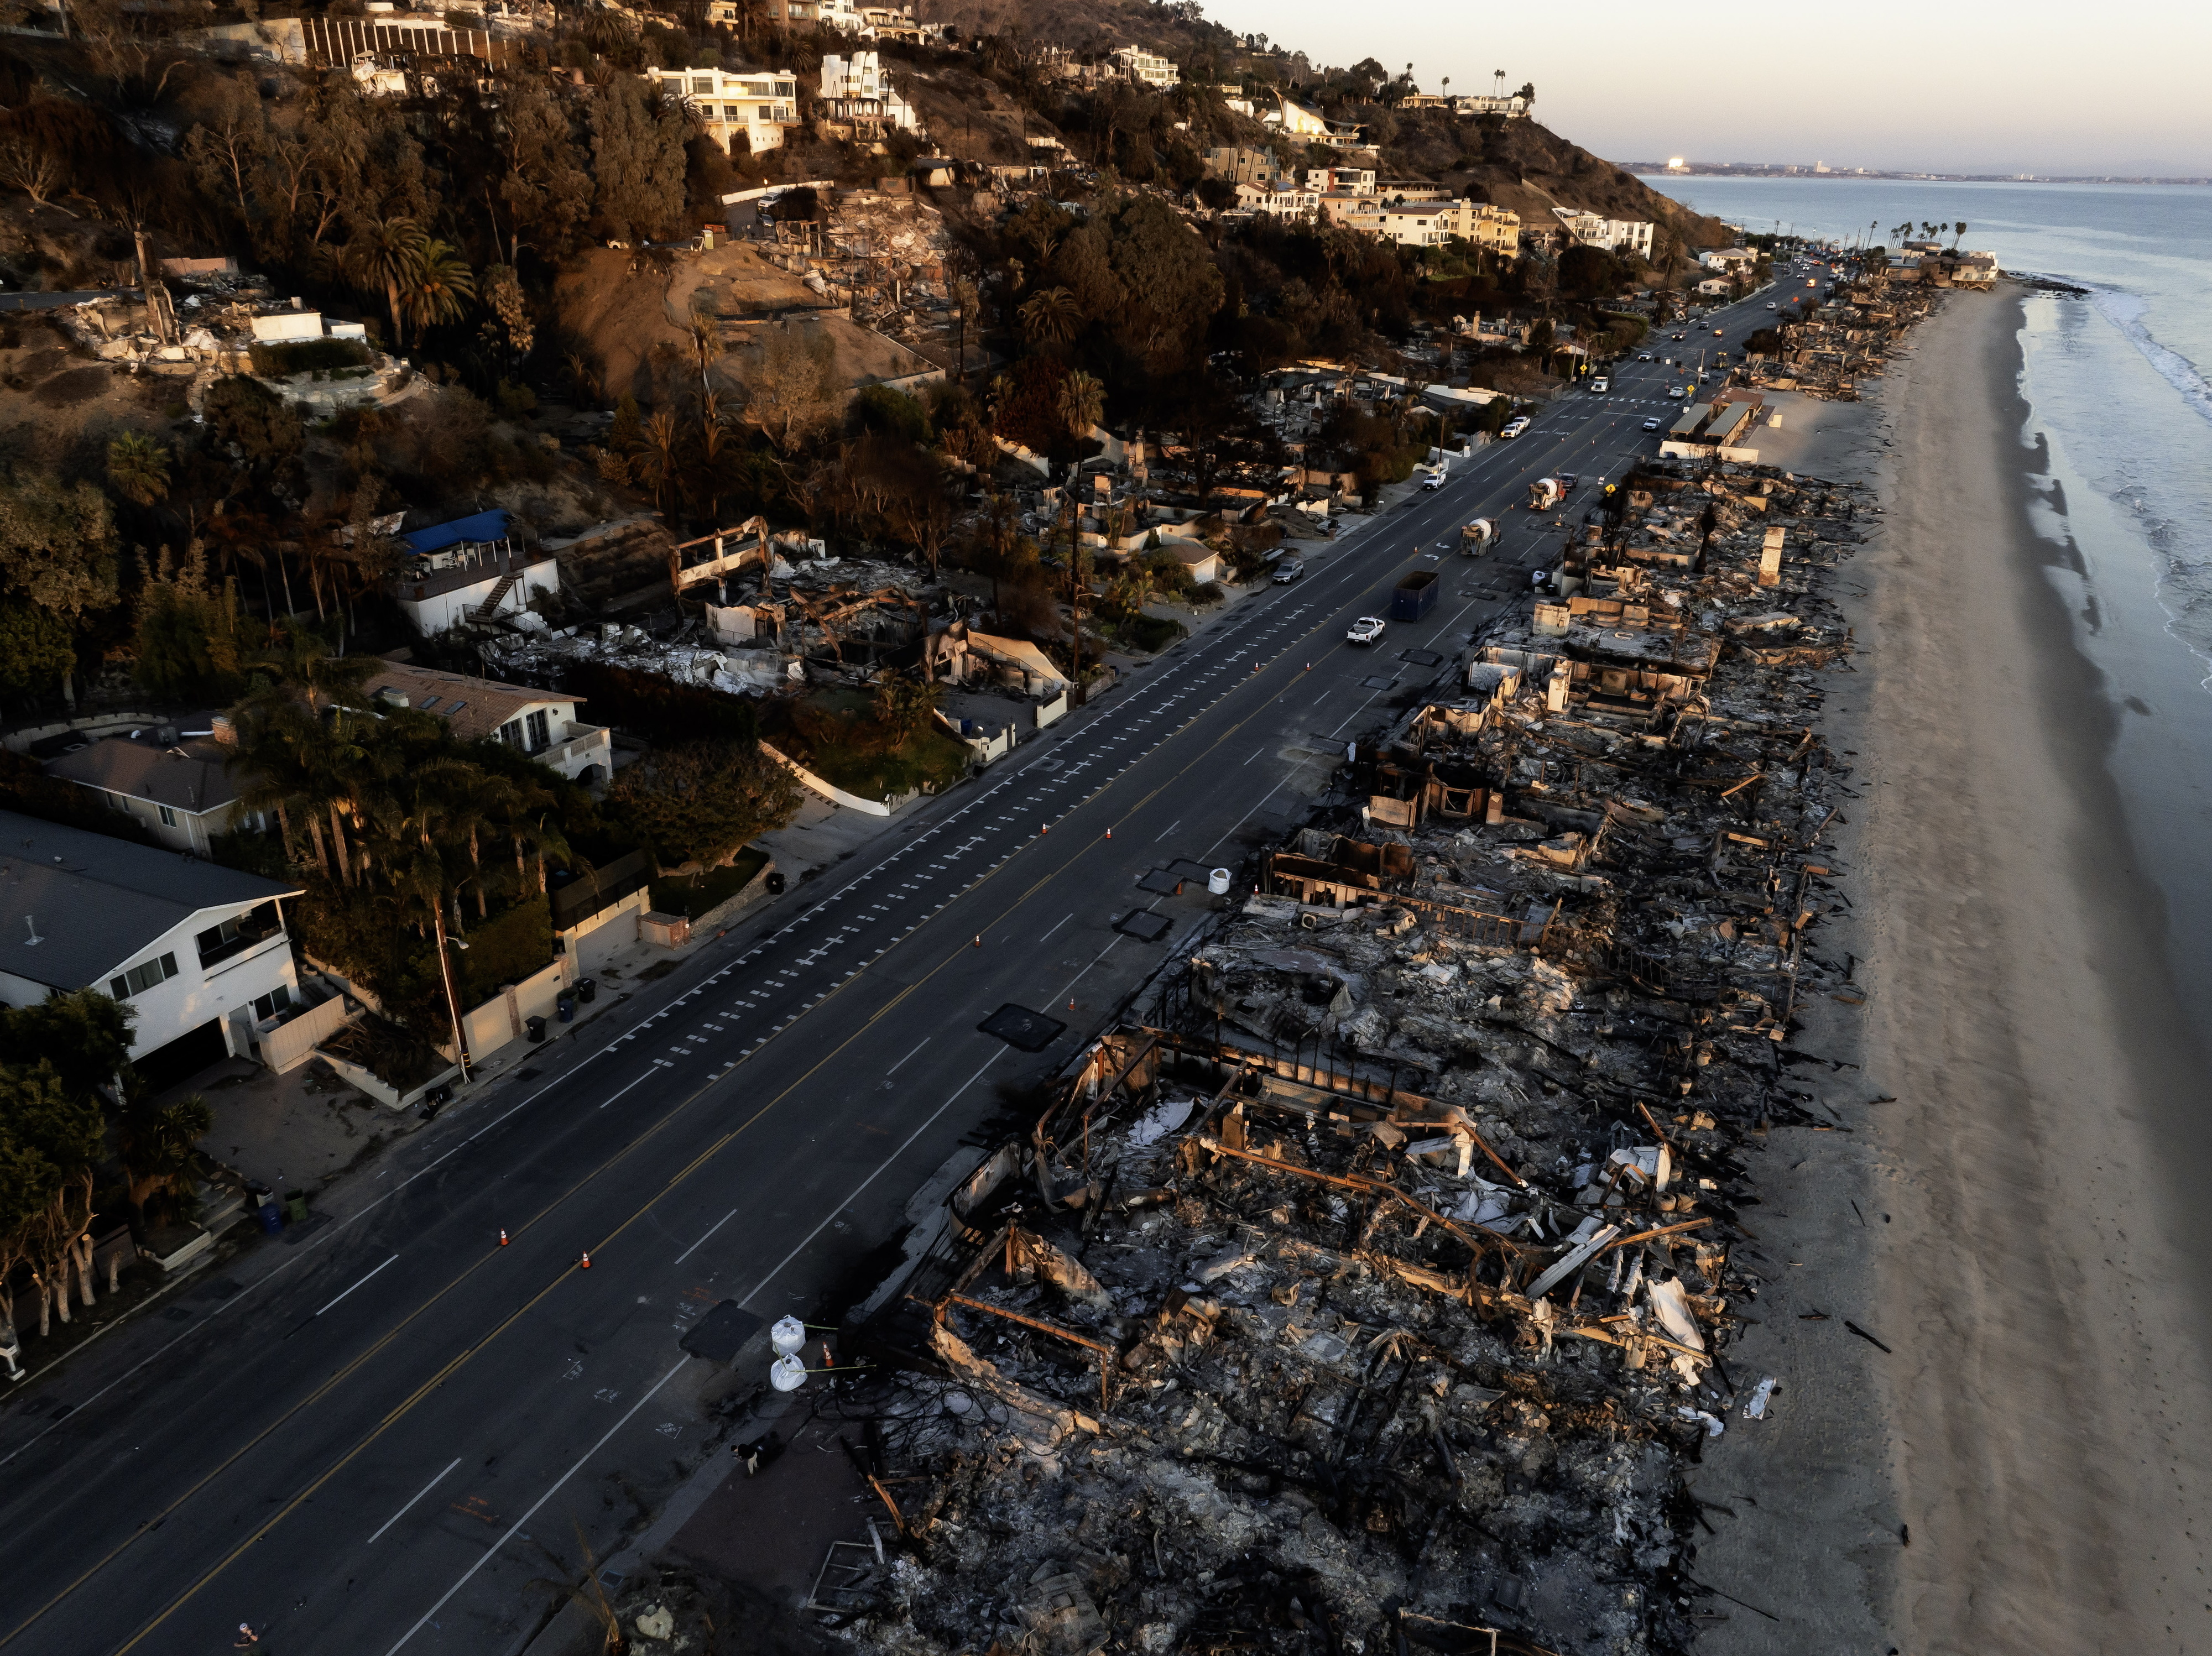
[
  {"x": 783, "y": 621},
  {"x": 1847, "y": 337},
  {"x": 1387, "y": 1287}
]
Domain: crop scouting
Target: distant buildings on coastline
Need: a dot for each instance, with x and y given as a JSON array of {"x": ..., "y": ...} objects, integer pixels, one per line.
[{"x": 1679, "y": 167}]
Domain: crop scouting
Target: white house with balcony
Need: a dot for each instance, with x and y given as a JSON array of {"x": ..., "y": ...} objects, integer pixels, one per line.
[
  {"x": 1143, "y": 68},
  {"x": 472, "y": 568},
  {"x": 199, "y": 951},
  {"x": 1614, "y": 235},
  {"x": 731, "y": 104},
  {"x": 540, "y": 722},
  {"x": 859, "y": 89}
]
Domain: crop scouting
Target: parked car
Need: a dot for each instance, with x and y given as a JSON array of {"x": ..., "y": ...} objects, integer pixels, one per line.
[
  {"x": 1516, "y": 425},
  {"x": 1289, "y": 570},
  {"x": 1368, "y": 629},
  {"x": 1650, "y": 425},
  {"x": 1434, "y": 482}
]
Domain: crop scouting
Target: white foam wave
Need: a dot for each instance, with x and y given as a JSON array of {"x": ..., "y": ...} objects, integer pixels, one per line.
[{"x": 2125, "y": 310}]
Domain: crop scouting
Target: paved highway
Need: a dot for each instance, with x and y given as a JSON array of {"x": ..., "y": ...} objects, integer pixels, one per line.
[{"x": 374, "y": 1435}]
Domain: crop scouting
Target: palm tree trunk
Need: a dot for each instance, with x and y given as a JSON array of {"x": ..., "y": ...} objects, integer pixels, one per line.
[
  {"x": 322, "y": 853},
  {"x": 339, "y": 843},
  {"x": 452, "y": 1003}
]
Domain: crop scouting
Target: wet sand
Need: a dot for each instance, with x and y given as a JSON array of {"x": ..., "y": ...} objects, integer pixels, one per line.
[{"x": 2025, "y": 1469}]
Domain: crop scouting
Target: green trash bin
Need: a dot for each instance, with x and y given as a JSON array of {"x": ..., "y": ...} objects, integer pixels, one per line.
[{"x": 295, "y": 1207}]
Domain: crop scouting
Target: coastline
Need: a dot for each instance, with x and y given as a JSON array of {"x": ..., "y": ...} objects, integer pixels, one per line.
[{"x": 2023, "y": 1470}]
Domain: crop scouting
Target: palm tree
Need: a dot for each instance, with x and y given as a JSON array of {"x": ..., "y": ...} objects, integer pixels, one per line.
[
  {"x": 964, "y": 299},
  {"x": 1958, "y": 234},
  {"x": 657, "y": 458},
  {"x": 440, "y": 287},
  {"x": 1082, "y": 403},
  {"x": 1051, "y": 317},
  {"x": 381, "y": 257},
  {"x": 420, "y": 887},
  {"x": 160, "y": 1147},
  {"x": 138, "y": 467}
]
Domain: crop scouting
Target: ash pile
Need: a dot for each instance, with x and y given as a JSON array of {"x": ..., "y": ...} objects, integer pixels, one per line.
[{"x": 1381, "y": 1287}]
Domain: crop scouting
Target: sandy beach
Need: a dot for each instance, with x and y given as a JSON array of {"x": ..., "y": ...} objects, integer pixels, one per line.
[{"x": 2024, "y": 1468}]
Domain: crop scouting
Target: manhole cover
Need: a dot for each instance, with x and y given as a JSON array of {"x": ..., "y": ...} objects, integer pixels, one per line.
[
  {"x": 1377, "y": 681},
  {"x": 1161, "y": 882},
  {"x": 1021, "y": 1028},
  {"x": 1144, "y": 925},
  {"x": 1420, "y": 658}
]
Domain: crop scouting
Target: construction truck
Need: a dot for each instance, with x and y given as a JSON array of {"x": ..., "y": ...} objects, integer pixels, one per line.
[
  {"x": 1477, "y": 538},
  {"x": 1544, "y": 494}
]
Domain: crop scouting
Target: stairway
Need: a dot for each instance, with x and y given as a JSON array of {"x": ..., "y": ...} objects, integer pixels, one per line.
[{"x": 490, "y": 607}]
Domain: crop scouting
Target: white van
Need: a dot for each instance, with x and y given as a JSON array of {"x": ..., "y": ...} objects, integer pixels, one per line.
[{"x": 1600, "y": 386}]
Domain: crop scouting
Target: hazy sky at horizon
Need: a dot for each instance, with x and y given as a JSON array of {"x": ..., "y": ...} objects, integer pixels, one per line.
[{"x": 2034, "y": 86}]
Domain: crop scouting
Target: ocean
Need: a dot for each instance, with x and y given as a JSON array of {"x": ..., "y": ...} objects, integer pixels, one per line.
[
  {"x": 2119, "y": 439},
  {"x": 2117, "y": 382}
]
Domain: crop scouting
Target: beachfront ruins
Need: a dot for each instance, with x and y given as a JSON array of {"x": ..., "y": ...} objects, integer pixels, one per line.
[{"x": 1373, "y": 1287}]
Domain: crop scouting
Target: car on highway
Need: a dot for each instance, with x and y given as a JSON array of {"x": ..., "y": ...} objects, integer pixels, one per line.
[
  {"x": 1600, "y": 386},
  {"x": 1770, "y": 304},
  {"x": 1289, "y": 570},
  {"x": 1515, "y": 427},
  {"x": 1674, "y": 336},
  {"x": 1644, "y": 357},
  {"x": 1433, "y": 481},
  {"x": 1366, "y": 630},
  {"x": 1717, "y": 333},
  {"x": 1650, "y": 425}
]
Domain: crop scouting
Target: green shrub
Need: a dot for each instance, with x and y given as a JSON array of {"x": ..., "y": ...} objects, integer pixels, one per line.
[
  {"x": 276, "y": 358},
  {"x": 659, "y": 709}
]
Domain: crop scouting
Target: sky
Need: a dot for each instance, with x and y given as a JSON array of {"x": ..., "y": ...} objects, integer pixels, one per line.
[{"x": 1908, "y": 85}]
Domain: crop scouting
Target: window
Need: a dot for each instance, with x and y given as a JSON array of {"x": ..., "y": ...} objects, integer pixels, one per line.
[
  {"x": 238, "y": 933},
  {"x": 702, "y": 83},
  {"x": 427, "y": 703},
  {"x": 276, "y": 1000},
  {"x": 168, "y": 817},
  {"x": 538, "y": 739},
  {"x": 142, "y": 977},
  {"x": 768, "y": 111},
  {"x": 117, "y": 802},
  {"x": 511, "y": 733}
]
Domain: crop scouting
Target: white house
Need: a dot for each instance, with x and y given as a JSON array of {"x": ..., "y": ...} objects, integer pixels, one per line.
[
  {"x": 1143, "y": 68},
  {"x": 857, "y": 88},
  {"x": 1728, "y": 260},
  {"x": 176, "y": 783},
  {"x": 199, "y": 951},
  {"x": 1615, "y": 236},
  {"x": 540, "y": 722},
  {"x": 757, "y": 107},
  {"x": 470, "y": 569}
]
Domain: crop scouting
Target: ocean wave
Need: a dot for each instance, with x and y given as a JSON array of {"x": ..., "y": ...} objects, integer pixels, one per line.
[{"x": 2125, "y": 310}]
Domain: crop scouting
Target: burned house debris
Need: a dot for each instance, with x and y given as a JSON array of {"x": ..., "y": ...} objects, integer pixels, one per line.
[{"x": 1376, "y": 1289}]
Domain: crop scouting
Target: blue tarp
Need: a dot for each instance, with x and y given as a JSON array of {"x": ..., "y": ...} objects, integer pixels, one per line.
[{"x": 462, "y": 531}]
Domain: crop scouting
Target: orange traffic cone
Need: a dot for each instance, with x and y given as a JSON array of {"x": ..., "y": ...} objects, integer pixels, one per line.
[
  {"x": 585, "y": 1264},
  {"x": 502, "y": 1236},
  {"x": 979, "y": 940},
  {"x": 1110, "y": 834}
]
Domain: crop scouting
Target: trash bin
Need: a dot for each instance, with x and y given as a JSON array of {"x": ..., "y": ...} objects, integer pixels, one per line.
[
  {"x": 564, "y": 1008},
  {"x": 587, "y": 990},
  {"x": 295, "y": 1207},
  {"x": 535, "y": 1027},
  {"x": 273, "y": 1217},
  {"x": 775, "y": 882}
]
